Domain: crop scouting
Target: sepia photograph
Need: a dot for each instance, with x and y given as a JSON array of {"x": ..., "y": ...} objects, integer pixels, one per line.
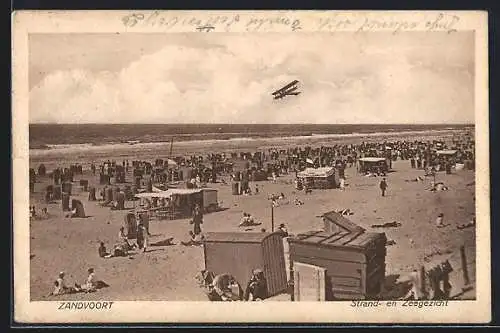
[{"x": 243, "y": 166}]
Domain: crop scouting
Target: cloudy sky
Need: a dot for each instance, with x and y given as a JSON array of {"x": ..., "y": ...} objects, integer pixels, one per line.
[{"x": 411, "y": 77}]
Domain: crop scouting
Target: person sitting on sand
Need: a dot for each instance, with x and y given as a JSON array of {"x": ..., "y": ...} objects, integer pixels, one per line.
[
  {"x": 282, "y": 230},
  {"x": 119, "y": 250},
  {"x": 124, "y": 239},
  {"x": 257, "y": 287},
  {"x": 297, "y": 202},
  {"x": 247, "y": 220},
  {"x": 222, "y": 287},
  {"x": 342, "y": 184},
  {"x": 60, "y": 285},
  {"x": 103, "y": 253},
  {"x": 45, "y": 213},
  {"x": 32, "y": 212},
  {"x": 89, "y": 285},
  {"x": 439, "y": 220},
  {"x": 244, "y": 220},
  {"x": 194, "y": 240}
]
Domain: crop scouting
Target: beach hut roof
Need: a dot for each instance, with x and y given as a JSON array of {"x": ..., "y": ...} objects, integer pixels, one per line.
[
  {"x": 163, "y": 194},
  {"x": 236, "y": 237},
  {"x": 173, "y": 191},
  {"x": 342, "y": 222},
  {"x": 318, "y": 172},
  {"x": 446, "y": 152},
  {"x": 358, "y": 240},
  {"x": 171, "y": 162},
  {"x": 372, "y": 159}
]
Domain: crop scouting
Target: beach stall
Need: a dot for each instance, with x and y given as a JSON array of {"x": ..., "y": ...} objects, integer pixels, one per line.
[
  {"x": 320, "y": 178},
  {"x": 182, "y": 201},
  {"x": 353, "y": 259},
  {"x": 373, "y": 165},
  {"x": 239, "y": 253},
  {"x": 447, "y": 159}
]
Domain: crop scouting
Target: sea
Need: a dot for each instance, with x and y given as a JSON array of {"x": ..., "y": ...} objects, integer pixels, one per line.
[{"x": 83, "y": 140}]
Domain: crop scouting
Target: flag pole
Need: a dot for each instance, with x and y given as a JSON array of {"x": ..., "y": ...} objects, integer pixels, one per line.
[
  {"x": 171, "y": 146},
  {"x": 272, "y": 217}
]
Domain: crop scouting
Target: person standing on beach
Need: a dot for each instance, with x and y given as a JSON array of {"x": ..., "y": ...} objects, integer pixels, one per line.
[
  {"x": 383, "y": 186},
  {"x": 197, "y": 219},
  {"x": 142, "y": 237}
]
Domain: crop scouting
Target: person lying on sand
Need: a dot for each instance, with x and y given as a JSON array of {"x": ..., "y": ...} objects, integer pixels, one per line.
[
  {"x": 467, "y": 225},
  {"x": 393, "y": 224},
  {"x": 418, "y": 179},
  {"x": 165, "y": 242},
  {"x": 438, "y": 187}
]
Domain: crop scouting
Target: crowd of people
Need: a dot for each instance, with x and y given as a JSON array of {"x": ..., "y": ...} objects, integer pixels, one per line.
[{"x": 199, "y": 169}]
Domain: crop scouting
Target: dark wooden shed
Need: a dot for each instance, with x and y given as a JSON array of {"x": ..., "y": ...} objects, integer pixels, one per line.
[
  {"x": 354, "y": 259},
  {"x": 239, "y": 253}
]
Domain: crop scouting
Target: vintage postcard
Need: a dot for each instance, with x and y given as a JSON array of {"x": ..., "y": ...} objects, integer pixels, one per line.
[{"x": 251, "y": 166}]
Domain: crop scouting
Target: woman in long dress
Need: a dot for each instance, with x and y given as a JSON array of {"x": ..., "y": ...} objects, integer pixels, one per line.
[
  {"x": 141, "y": 237},
  {"x": 197, "y": 220}
]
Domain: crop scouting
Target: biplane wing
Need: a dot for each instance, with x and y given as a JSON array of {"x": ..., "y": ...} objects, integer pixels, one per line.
[
  {"x": 289, "y": 89},
  {"x": 286, "y": 94},
  {"x": 285, "y": 88}
]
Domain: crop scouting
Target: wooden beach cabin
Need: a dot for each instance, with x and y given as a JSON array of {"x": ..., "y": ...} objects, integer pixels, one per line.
[
  {"x": 239, "y": 253},
  {"x": 319, "y": 178},
  {"x": 351, "y": 260}
]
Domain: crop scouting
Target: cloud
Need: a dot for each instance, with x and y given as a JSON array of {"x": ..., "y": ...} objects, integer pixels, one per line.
[{"x": 231, "y": 82}]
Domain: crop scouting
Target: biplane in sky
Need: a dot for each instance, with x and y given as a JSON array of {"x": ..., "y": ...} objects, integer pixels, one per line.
[{"x": 288, "y": 90}]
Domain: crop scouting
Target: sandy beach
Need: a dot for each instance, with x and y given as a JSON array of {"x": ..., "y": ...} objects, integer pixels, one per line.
[{"x": 167, "y": 272}]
